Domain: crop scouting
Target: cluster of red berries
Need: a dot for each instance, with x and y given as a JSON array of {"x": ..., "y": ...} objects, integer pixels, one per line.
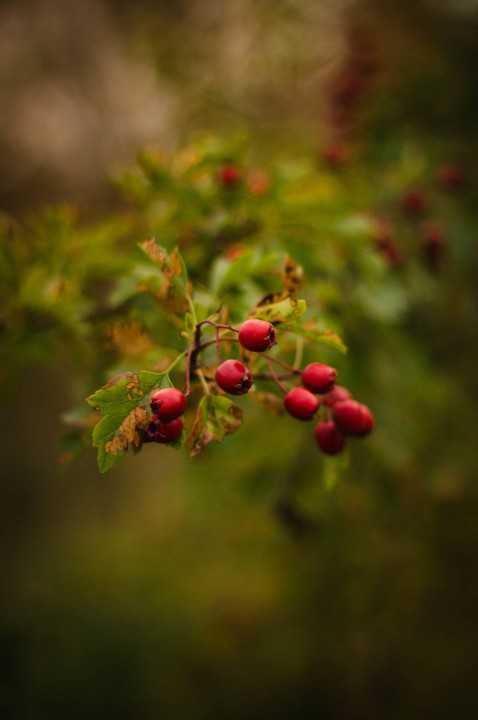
[
  {"x": 347, "y": 416},
  {"x": 167, "y": 406}
]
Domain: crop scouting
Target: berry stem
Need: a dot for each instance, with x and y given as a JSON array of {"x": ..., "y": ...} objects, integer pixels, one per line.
[
  {"x": 274, "y": 375},
  {"x": 282, "y": 364}
]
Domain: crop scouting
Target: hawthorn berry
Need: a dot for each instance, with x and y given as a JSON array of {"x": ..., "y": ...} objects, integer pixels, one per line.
[
  {"x": 329, "y": 438},
  {"x": 335, "y": 156},
  {"x": 451, "y": 177},
  {"x": 433, "y": 245},
  {"x": 337, "y": 394},
  {"x": 319, "y": 378},
  {"x": 233, "y": 377},
  {"x": 163, "y": 432},
  {"x": 257, "y": 335},
  {"x": 229, "y": 176},
  {"x": 168, "y": 404},
  {"x": 353, "y": 418},
  {"x": 301, "y": 403},
  {"x": 414, "y": 203}
]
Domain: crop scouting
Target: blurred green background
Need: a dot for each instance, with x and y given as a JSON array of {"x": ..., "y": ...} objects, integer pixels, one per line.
[{"x": 196, "y": 588}]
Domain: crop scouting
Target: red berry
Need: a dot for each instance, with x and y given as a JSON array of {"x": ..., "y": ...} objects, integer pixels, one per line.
[
  {"x": 169, "y": 431},
  {"x": 353, "y": 418},
  {"x": 168, "y": 404},
  {"x": 329, "y": 438},
  {"x": 257, "y": 335},
  {"x": 319, "y": 378},
  {"x": 337, "y": 394},
  {"x": 229, "y": 176},
  {"x": 233, "y": 377},
  {"x": 414, "y": 202},
  {"x": 163, "y": 432},
  {"x": 451, "y": 177},
  {"x": 335, "y": 156},
  {"x": 301, "y": 404},
  {"x": 433, "y": 245}
]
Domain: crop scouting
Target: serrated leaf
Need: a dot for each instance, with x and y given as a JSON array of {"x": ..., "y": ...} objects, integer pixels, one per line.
[
  {"x": 216, "y": 417},
  {"x": 282, "y": 311},
  {"x": 123, "y": 405}
]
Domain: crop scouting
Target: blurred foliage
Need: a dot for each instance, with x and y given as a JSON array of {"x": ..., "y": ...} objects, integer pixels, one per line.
[{"x": 259, "y": 580}]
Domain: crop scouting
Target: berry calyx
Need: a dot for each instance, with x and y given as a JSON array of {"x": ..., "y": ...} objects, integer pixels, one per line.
[
  {"x": 163, "y": 432},
  {"x": 229, "y": 176},
  {"x": 168, "y": 404},
  {"x": 319, "y": 378},
  {"x": 353, "y": 418},
  {"x": 257, "y": 335},
  {"x": 301, "y": 403},
  {"x": 337, "y": 394},
  {"x": 233, "y": 377},
  {"x": 329, "y": 438}
]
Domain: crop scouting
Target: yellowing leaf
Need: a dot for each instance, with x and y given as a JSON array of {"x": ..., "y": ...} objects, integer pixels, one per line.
[{"x": 282, "y": 311}]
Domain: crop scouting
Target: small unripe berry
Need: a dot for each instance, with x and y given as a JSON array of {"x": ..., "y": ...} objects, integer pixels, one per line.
[
  {"x": 257, "y": 335},
  {"x": 319, "y": 378},
  {"x": 337, "y": 394},
  {"x": 329, "y": 438},
  {"x": 229, "y": 176},
  {"x": 168, "y": 404},
  {"x": 353, "y": 418},
  {"x": 233, "y": 377},
  {"x": 301, "y": 404}
]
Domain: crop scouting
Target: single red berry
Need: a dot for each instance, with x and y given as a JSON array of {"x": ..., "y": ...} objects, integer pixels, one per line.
[
  {"x": 257, "y": 335},
  {"x": 433, "y": 245},
  {"x": 168, "y": 404},
  {"x": 451, "y": 177},
  {"x": 414, "y": 202},
  {"x": 167, "y": 432},
  {"x": 233, "y": 377},
  {"x": 329, "y": 438},
  {"x": 301, "y": 404},
  {"x": 337, "y": 394},
  {"x": 229, "y": 176},
  {"x": 353, "y": 418},
  {"x": 335, "y": 156},
  {"x": 319, "y": 378}
]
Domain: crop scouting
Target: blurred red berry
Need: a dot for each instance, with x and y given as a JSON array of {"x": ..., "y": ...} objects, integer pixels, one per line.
[
  {"x": 433, "y": 245},
  {"x": 353, "y": 418},
  {"x": 414, "y": 203},
  {"x": 329, "y": 438},
  {"x": 335, "y": 156},
  {"x": 229, "y": 176},
  {"x": 451, "y": 177},
  {"x": 337, "y": 394}
]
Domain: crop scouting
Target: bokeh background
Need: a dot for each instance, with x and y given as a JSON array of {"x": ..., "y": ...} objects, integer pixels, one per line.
[{"x": 177, "y": 588}]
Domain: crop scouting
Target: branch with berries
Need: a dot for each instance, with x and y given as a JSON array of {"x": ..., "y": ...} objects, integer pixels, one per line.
[{"x": 148, "y": 407}]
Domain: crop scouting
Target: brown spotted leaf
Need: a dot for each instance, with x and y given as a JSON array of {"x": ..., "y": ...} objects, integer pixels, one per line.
[{"x": 216, "y": 417}]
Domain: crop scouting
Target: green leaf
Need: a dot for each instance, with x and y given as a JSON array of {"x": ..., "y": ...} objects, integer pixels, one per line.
[
  {"x": 216, "y": 417},
  {"x": 124, "y": 408},
  {"x": 314, "y": 334},
  {"x": 282, "y": 311}
]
